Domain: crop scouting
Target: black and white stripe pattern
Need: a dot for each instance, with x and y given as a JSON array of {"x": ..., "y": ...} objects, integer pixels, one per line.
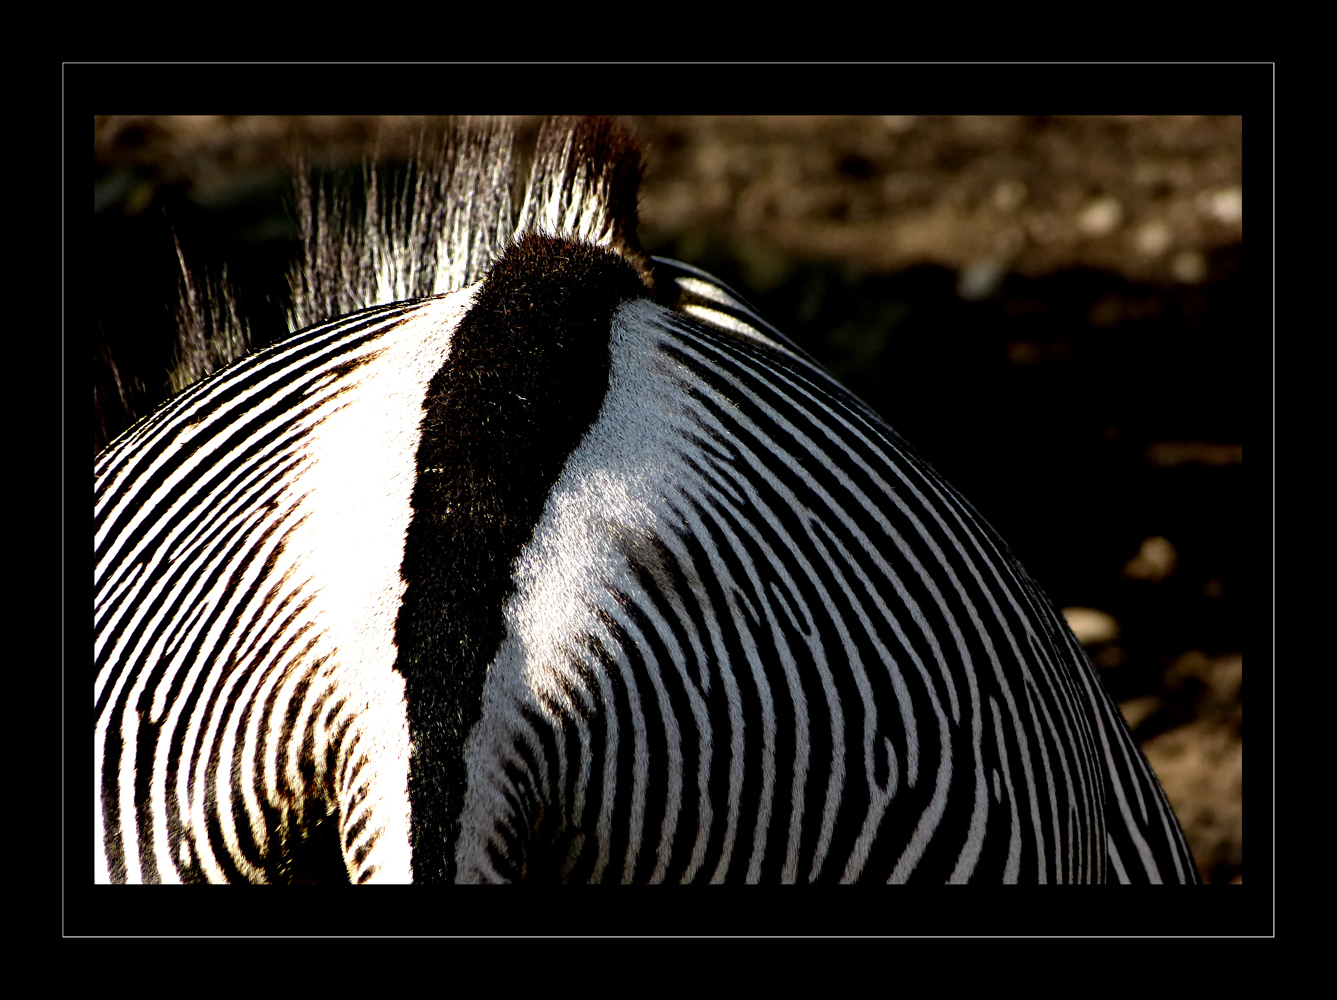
[
  {"x": 244, "y": 636},
  {"x": 580, "y": 572}
]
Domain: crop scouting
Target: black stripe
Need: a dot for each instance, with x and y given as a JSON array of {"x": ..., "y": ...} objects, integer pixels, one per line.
[{"x": 527, "y": 373}]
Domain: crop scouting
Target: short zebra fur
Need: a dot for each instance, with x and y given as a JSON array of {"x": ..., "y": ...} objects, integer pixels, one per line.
[{"x": 530, "y": 557}]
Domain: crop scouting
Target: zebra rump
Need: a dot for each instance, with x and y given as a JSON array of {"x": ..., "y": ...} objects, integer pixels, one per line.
[{"x": 530, "y": 557}]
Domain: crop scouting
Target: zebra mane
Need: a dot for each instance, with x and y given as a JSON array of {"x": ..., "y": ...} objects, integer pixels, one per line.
[
  {"x": 211, "y": 330},
  {"x": 441, "y": 228},
  {"x": 433, "y": 230}
]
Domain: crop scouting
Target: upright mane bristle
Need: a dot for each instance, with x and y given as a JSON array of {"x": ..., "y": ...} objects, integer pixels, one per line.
[{"x": 440, "y": 226}]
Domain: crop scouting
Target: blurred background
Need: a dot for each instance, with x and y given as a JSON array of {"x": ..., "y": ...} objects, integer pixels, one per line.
[{"x": 1048, "y": 308}]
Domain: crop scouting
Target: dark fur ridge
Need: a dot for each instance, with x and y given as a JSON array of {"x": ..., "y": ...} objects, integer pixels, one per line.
[{"x": 526, "y": 377}]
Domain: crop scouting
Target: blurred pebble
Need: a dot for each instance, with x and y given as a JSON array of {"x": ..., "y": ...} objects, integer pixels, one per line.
[
  {"x": 1225, "y": 205},
  {"x": 1091, "y": 626},
  {"x": 1156, "y": 559},
  {"x": 1153, "y": 239},
  {"x": 1100, "y": 217}
]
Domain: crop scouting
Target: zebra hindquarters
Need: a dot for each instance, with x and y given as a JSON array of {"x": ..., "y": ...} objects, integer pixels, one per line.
[
  {"x": 581, "y": 572},
  {"x": 754, "y": 639}
]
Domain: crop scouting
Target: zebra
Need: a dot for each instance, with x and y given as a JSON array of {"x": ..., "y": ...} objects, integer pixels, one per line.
[{"x": 529, "y": 556}]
